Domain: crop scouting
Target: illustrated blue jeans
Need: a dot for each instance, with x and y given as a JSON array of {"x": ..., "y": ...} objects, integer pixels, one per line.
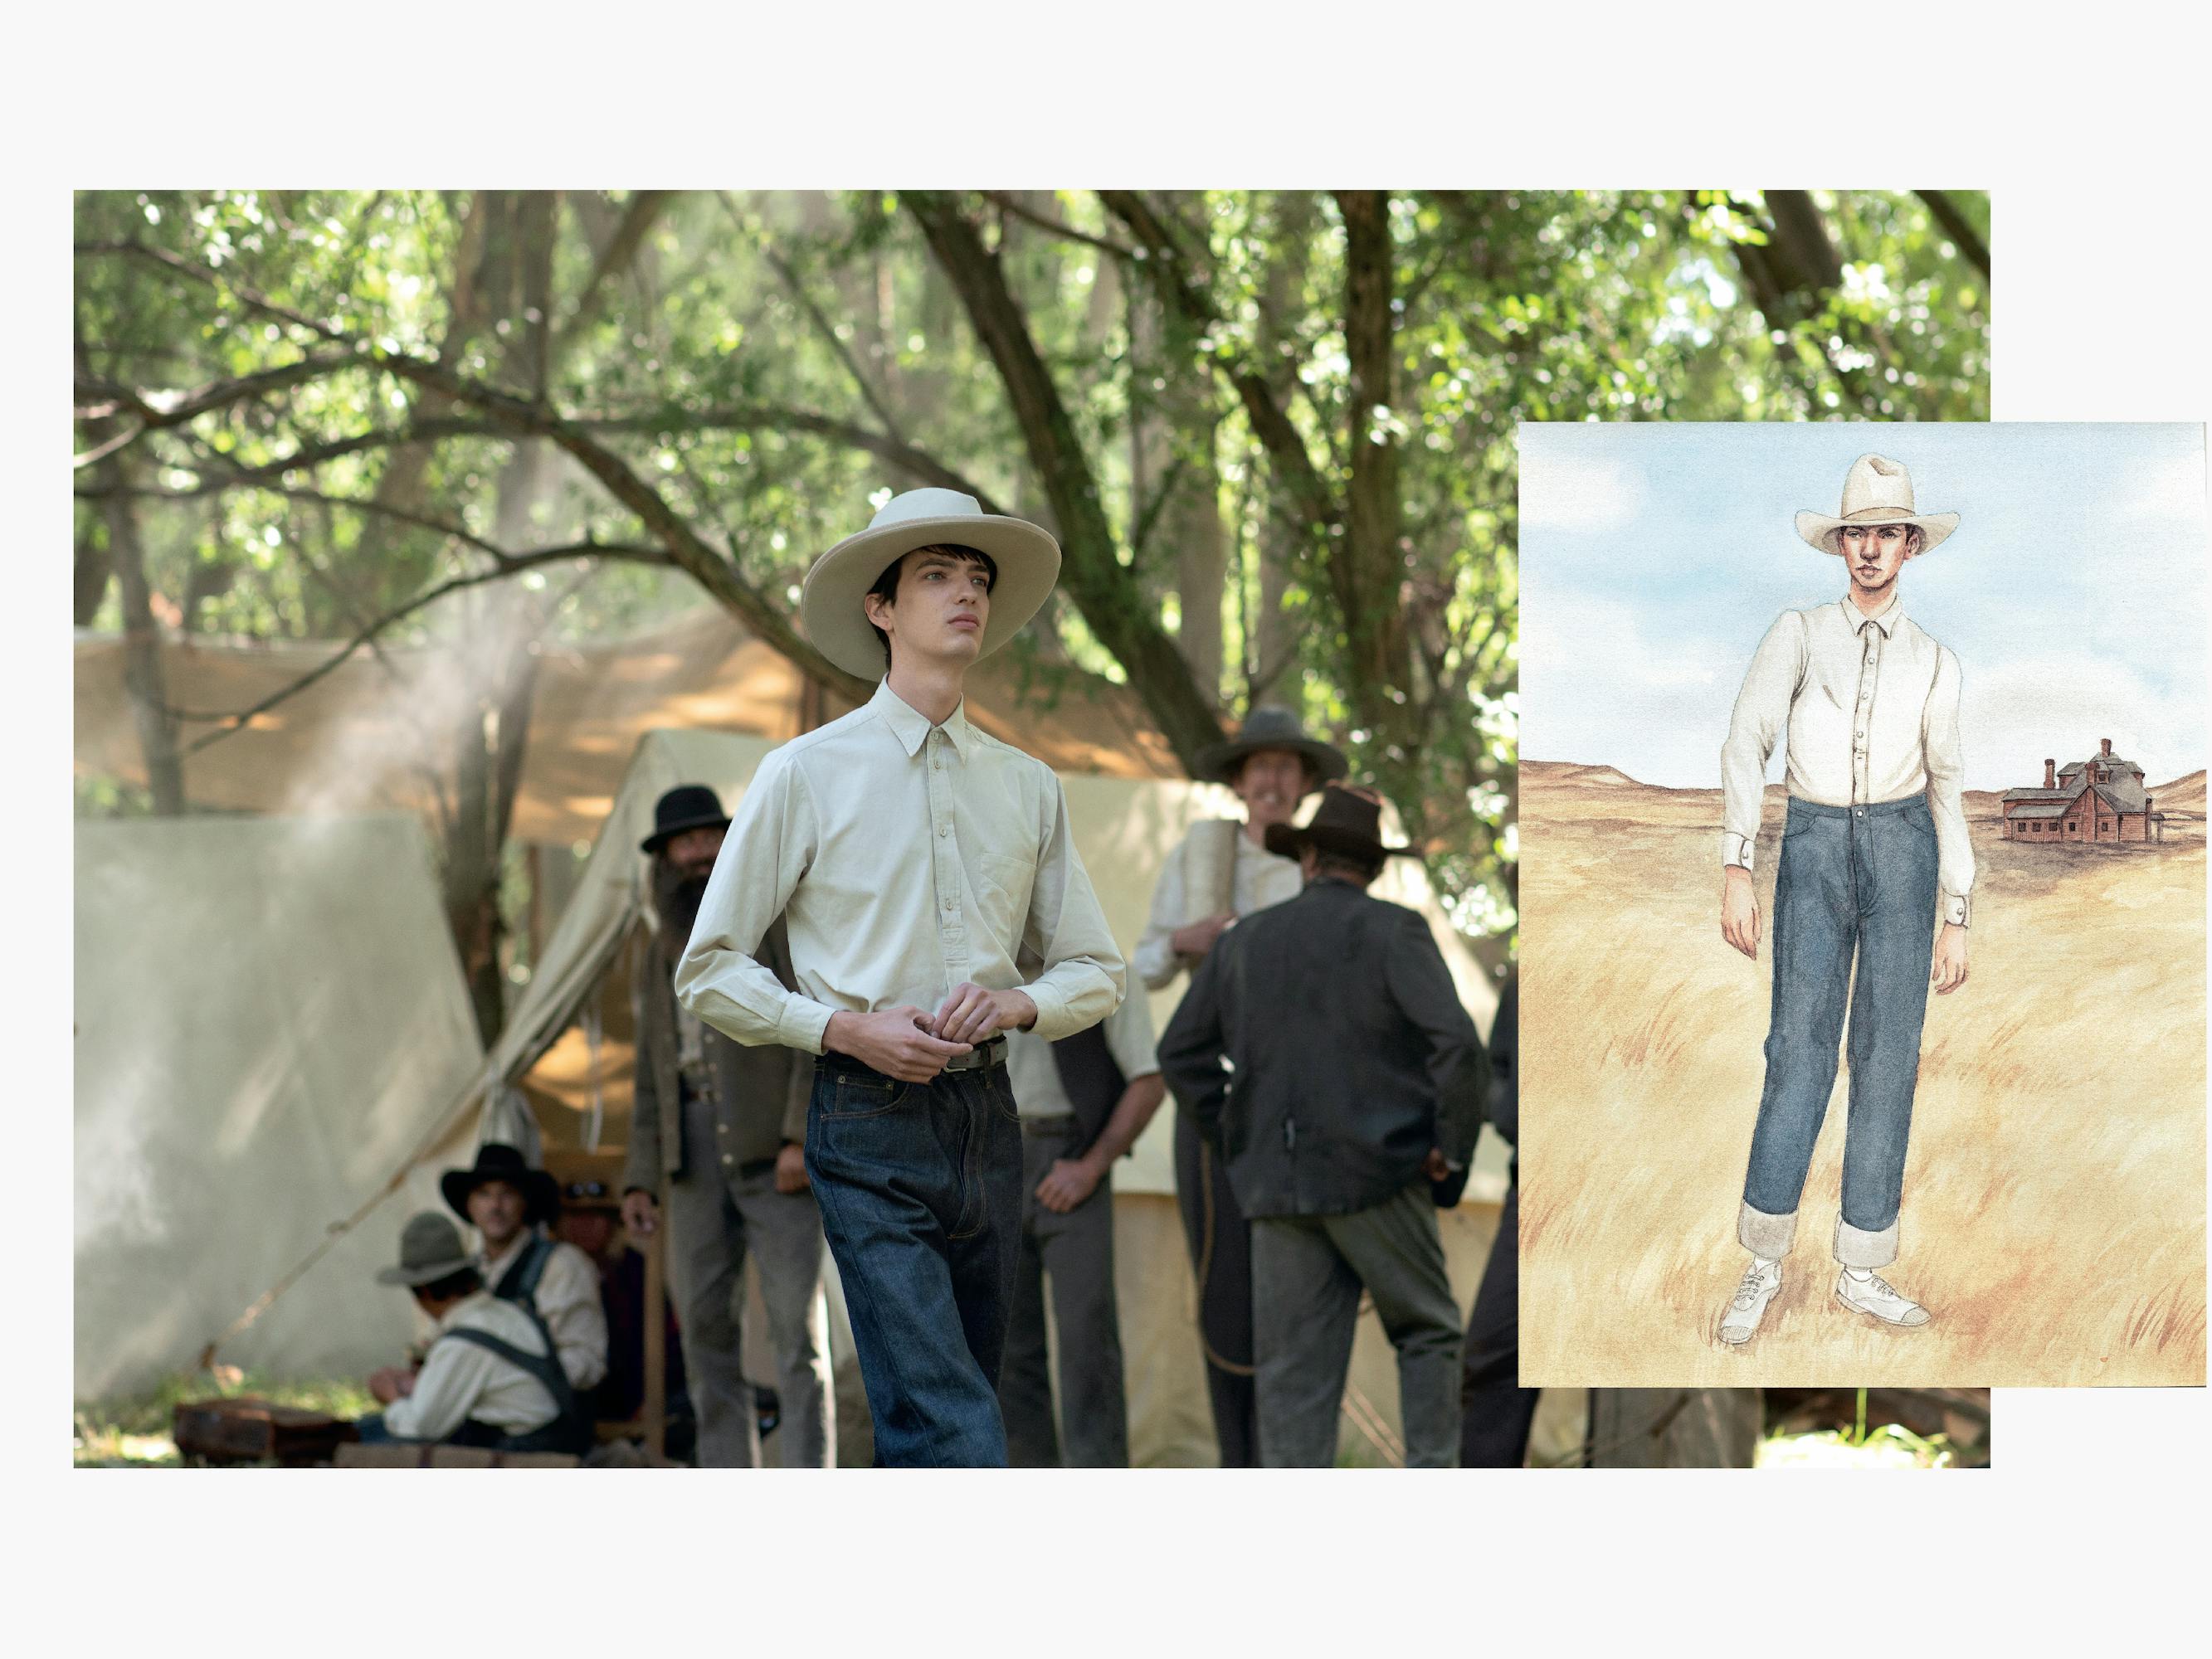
[
  {"x": 920, "y": 1186},
  {"x": 1852, "y": 880}
]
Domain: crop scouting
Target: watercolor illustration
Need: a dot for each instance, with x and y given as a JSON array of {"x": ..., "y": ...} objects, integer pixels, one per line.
[{"x": 1864, "y": 905}]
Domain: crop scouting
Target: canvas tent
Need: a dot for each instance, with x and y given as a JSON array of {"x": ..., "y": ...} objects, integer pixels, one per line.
[
  {"x": 269, "y": 1016},
  {"x": 353, "y": 741}
]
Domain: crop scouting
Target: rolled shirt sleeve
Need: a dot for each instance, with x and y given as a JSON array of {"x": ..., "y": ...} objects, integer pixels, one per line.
[
  {"x": 721, "y": 978},
  {"x": 1156, "y": 960},
  {"x": 1947, "y": 766},
  {"x": 1762, "y": 712}
]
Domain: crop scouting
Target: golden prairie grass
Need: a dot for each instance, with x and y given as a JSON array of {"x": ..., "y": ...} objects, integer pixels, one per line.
[{"x": 2054, "y": 1193}]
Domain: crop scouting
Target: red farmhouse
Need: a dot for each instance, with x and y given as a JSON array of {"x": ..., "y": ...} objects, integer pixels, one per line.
[{"x": 2097, "y": 799}]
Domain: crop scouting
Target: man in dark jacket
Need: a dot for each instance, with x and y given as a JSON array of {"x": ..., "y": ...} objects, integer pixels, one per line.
[
  {"x": 1356, "y": 1082},
  {"x": 1498, "y": 1410},
  {"x": 724, "y": 1126}
]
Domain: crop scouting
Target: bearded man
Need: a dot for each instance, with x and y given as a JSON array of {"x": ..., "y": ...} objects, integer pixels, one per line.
[{"x": 723, "y": 1127}]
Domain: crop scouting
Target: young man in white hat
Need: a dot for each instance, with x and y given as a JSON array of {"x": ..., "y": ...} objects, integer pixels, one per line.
[
  {"x": 927, "y": 876},
  {"x": 1875, "y": 856},
  {"x": 1221, "y": 870}
]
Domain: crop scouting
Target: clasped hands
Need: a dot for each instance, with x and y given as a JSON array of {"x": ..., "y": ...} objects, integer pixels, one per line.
[{"x": 912, "y": 1046}]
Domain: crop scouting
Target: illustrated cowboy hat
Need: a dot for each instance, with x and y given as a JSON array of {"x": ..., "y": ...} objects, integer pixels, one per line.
[
  {"x": 1876, "y": 490},
  {"x": 687, "y": 806},
  {"x": 429, "y": 1249},
  {"x": 1347, "y": 821},
  {"x": 497, "y": 1161},
  {"x": 830, "y": 608},
  {"x": 1270, "y": 727}
]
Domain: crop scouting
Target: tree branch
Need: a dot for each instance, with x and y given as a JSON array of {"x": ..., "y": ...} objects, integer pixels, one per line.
[
  {"x": 1271, "y": 425},
  {"x": 508, "y": 565},
  {"x": 252, "y": 299},
  {"x": 1962, "y": 235},
  {"x": 621, "y": 247},
  {"x": 1010, "y": 206}
]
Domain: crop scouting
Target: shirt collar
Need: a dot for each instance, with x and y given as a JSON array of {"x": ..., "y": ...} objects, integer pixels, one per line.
[
  {"x": 1887, "y": 619},
  {"x": 911, "y": 726}
]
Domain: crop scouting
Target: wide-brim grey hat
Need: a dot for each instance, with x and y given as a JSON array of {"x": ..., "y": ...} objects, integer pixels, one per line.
[
  {"x": 430, "y": 1249},
  {"x": 829, "y": 610},
  {"x": 1271, "y": 727},
  {"x": 1877, "y": 491}
]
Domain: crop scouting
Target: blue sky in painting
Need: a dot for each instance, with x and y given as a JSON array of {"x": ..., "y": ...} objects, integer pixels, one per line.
[{"x": 1655, "y": 555}]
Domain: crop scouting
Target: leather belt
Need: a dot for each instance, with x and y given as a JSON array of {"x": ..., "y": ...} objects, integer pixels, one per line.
[{"x": 983, "y": 1054}]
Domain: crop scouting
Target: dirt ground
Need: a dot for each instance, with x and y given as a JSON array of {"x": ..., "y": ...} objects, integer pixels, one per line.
[{"x": 2054, "y": 1202}]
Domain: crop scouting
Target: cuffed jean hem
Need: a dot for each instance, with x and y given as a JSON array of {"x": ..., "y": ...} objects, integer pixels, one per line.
[
  {"x": 1766, "y": 1235},
  {"x": 1857, "y": 1248}
]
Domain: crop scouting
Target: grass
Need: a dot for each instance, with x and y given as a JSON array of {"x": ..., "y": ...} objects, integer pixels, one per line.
[
  {"x": 132, "y": 1431},
  {"x": 2054, "y": 1214}
]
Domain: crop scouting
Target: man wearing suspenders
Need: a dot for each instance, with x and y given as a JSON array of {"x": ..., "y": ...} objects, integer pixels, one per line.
[
  {"x": 489, "y": 1378},
  {"x": 509, "y": 1204}
]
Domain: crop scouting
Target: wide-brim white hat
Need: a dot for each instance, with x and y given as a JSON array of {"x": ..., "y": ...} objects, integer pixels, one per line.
[
  {"x": 1876, "y": 490},
  {"x": 830, "y": 608}
]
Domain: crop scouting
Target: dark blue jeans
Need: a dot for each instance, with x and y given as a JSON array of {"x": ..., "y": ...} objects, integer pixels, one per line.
[
  {"x": 1852, "y": 879},
  {"x": 920, "y": 1186}
]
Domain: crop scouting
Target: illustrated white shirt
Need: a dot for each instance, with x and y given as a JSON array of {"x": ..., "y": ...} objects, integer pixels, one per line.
[
  {"x": 1034, "y": 1074},
  {"x": 905, "y": 859},
  {"x": 569, "y": 1301},
  {"x": 1258, "y": 880},
  {"x": 1871, "y": 707},
  {"x": 460, "y": 1380}
]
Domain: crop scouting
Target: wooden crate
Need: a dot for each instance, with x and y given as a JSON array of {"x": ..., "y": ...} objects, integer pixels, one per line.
[
  {"x": 249, "y": 1430},
  {"x": 389, "y": 1456}
]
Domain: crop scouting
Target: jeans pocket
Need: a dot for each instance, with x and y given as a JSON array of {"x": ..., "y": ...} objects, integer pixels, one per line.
[{"x": 851, "y": 1095}]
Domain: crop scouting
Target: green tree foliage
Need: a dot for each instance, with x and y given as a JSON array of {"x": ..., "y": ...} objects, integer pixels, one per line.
[{"x": 1282, "y": 418}]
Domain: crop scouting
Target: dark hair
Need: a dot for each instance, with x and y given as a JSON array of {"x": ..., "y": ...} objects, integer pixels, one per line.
[
  {"x": 886, "y": 587},
  {"x": 1328, "y": 862},
  {"x": 453, "y": 1285}
]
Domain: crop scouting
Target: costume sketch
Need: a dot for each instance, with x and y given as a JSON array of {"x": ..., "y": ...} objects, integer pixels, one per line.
[{"x": 1871, "y": 896}]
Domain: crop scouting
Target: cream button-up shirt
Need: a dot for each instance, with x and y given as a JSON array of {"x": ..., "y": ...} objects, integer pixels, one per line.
[
  {"x": 460, "y": 1380},
  {"x": 1258, "y": 880},
  {"x": 569, "y": 1301},
  {"x": 1871, "y": 704},
  {"x": 1034, "y": 1073},
  {"x": 905, "y": 859}
]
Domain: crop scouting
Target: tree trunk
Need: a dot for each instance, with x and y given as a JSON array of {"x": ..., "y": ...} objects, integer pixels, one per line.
[
  {"x": 1090, "y": 573},
  {"x": 1274, "y": 645},
  {"x": 1368, "y": 569},
  {"x": 141, "y": 643}
]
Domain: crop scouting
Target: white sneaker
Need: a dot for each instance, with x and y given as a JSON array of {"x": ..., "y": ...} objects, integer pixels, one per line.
[
  {"x": 1872, "y": 1295},
  {"x": 1749, "y": 1306}
]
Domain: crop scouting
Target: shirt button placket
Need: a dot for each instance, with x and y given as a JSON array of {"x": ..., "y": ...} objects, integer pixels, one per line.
[{"x": 946, "y": 865}]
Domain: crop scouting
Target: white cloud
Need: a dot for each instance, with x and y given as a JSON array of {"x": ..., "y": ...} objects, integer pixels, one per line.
[
  {"x": 2014, "y": 715},
  {"x": 1575, "y": 495},
  {"x": 1602, "y": 682}
]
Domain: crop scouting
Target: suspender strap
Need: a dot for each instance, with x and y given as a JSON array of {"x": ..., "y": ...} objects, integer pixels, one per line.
[{"x": 520, "y": 1282}]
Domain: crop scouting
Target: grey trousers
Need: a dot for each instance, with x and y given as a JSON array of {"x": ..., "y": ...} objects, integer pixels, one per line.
[
  {"x": 1075, "y": 1253},
  {"x": 1307, "y": 1274},
  {"x": 712, "y": 1224}
]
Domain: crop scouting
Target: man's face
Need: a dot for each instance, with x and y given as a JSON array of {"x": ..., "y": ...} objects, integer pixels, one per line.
[
  {"x": 1875, "y": 553},
  {"x": 694, "y": 852},
  {"x": 943, "y": 602},
  {"x": 496, "y": 1207},
  {"x": 1271, "y": 784}
]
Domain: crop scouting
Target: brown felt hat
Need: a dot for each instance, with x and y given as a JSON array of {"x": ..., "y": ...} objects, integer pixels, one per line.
[{"x": 1347, "y": 821}]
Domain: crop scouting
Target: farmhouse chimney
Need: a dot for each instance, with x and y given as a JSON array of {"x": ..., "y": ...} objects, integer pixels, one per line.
[
  {"x": 2107, "y": 742},
  {"x": 2050, "y": 775}
]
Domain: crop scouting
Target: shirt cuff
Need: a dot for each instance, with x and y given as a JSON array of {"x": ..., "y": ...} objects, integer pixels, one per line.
[
  {"x": 1051, "y": 1020},
  {"x": 1954, "y": 908},
  {"x": 1735, "y": 849},
  {"x": 802, "y": 1023}
]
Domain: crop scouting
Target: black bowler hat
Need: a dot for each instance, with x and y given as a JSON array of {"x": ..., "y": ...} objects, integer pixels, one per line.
[
  {"x": 497, "y": 1161},
  {"x": 687, "y": 806}
]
